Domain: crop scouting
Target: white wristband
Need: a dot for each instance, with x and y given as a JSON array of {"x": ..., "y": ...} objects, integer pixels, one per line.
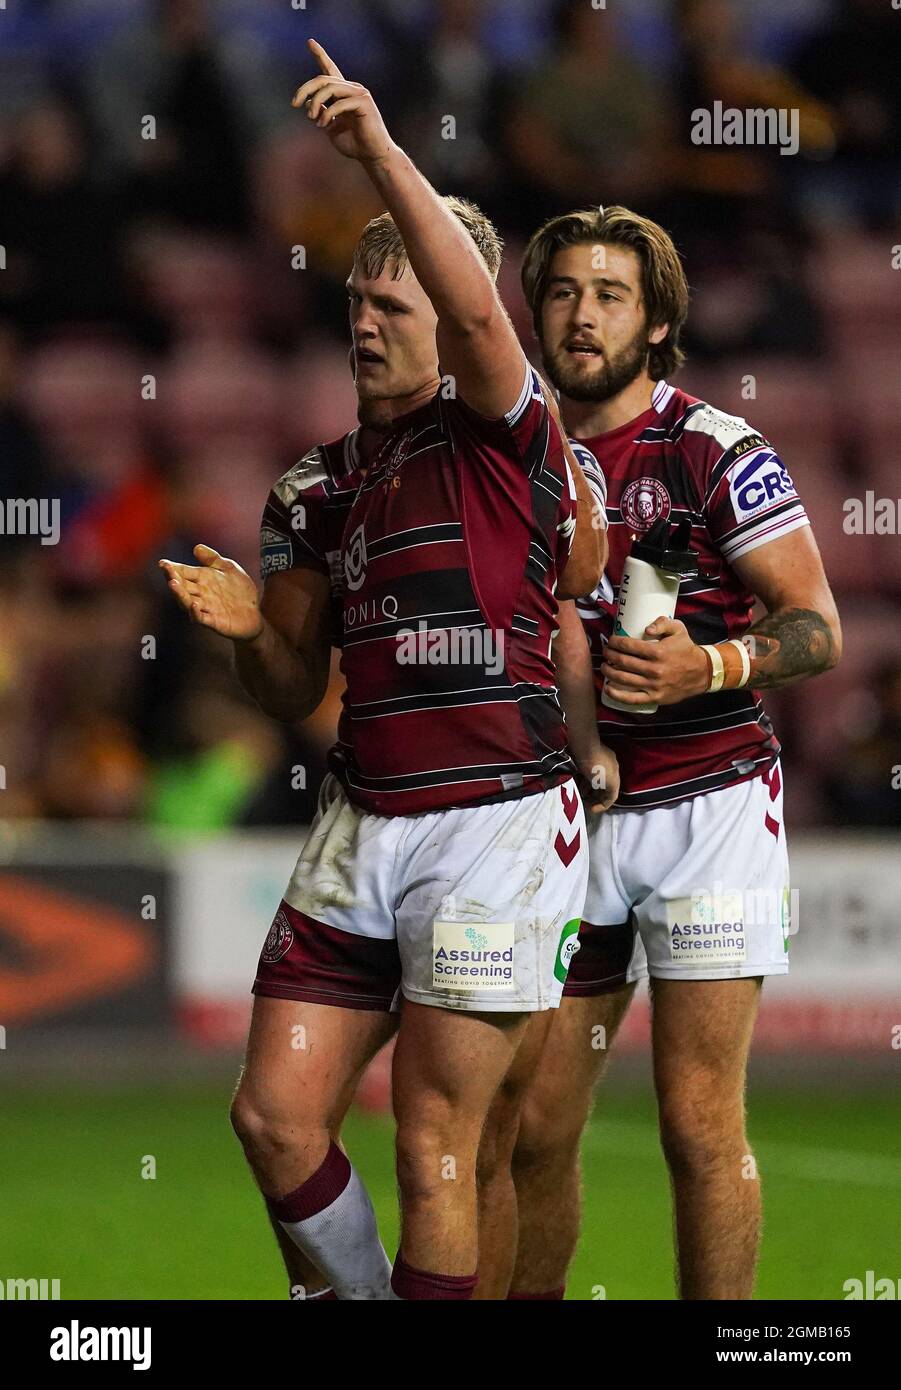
[
  {"x": 745, "y": 662},
  {"x": 719, "y": 671}
]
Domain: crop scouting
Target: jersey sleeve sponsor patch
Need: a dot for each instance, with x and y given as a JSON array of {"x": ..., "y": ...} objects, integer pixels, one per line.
[
  {"x": 757, "y": 482},
  {"x": 751, "y": 498},
  {"x": 291, "y": 531},
  {"x": 754, "y": 503},
  {"x": 276, "y": 552}
]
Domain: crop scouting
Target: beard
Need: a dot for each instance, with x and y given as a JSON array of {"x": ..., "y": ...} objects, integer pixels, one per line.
[{"x": 603, "y": 381}]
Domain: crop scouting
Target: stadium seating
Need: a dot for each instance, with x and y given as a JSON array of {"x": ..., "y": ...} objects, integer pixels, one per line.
[
  {"x": 84, "y": 392},
  {"x": 201, "y": 286},
  {"x": 854, "y": 280},
  {"x": 835, "y": 708},
  {"x": 214, "y": 392}
]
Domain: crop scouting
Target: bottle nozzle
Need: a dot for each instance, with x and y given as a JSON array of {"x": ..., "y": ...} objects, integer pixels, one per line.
[{"x": 668, "y": 548}]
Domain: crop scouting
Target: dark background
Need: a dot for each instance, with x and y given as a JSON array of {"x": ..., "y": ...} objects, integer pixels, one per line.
[{"x": 171, "y": 258}]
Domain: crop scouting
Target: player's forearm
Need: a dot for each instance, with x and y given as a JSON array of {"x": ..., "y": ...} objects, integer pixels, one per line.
[
  {"x": 283, "y": 682},
  {"x": 442, "y": 254},
  {"x": 575, "y": 681},
  {"x": 792, "y": 644},
  {"x": 588, "y": 553},
  {"x": 785, "y": 646}
]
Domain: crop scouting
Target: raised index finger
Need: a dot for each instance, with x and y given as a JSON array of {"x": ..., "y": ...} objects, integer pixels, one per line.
[{"x": 323, "y": 59}]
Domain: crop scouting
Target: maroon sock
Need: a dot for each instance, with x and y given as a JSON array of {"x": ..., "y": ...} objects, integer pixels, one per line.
[
  {"x": 409, "y": 1283},
  {"x": 544, "y": 1297},
  {"x": 318, "y": 1192}
]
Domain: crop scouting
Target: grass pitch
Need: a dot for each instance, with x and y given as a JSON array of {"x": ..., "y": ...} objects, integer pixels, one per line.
[{"x": 76, "y": 1206}]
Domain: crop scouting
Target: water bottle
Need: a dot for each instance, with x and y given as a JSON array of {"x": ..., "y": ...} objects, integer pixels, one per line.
[{"x": 654, "y": 569}]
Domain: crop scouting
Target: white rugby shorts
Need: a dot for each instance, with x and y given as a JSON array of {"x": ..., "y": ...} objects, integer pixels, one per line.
[
  {"x": 476, "y": 908},
  {"x": 698, "y": 890}
]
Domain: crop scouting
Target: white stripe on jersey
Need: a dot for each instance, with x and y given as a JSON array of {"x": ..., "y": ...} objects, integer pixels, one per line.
[
  {"x": 727, "y": 430},
  {"x": 570, "y": 480},
  {"x": 351, "y": 450},
  {"x": 567, "y": 528},
  {"x": 766, "y": 532},
  {"x": 530, "y": 389},
  {"x": 662, "y": 395},
  {"x": 594, "y": 476},
  {"x": 548, "y": 769}
]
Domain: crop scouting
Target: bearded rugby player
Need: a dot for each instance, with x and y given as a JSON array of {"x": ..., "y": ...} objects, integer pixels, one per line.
[{"x": 689, "y": 877}]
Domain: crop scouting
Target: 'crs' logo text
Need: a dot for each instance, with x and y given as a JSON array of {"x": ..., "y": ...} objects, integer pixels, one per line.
[{"x": 760, "y": 483}]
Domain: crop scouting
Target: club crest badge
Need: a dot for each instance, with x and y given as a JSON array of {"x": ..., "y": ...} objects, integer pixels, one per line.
[
  {"x": 645, "y": 501},
  {"x": 389, "y": 467},
  {"x": 280, "y": 939}
]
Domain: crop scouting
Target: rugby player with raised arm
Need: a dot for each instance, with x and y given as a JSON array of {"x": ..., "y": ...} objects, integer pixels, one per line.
[{"x": 447, "y": 860}]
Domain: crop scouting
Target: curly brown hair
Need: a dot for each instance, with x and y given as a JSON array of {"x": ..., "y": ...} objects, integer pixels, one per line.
[{"x": 664, "y": 288}]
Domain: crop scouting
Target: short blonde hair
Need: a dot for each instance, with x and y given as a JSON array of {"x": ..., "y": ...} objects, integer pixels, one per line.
[
  {"x": 381, "y": 245},
  {"x": 664, "y": 288}
]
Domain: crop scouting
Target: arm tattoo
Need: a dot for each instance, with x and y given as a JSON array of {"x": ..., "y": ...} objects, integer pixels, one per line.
[{"x": 787, "y": 646}]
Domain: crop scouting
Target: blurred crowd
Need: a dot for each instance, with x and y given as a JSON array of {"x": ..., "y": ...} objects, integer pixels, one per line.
[{"x": 173, "y": 333}]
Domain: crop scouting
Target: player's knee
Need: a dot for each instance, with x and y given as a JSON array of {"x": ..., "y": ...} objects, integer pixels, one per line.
[
  {"x": 263, "y": 1131},
  {"x": 248, "y": 1120},
  {"x": 432, "y": 1152},
  {"x": 549, "y": 1135},
  {"x": 420, "y": 1164},
  {"x": 701, "y": 1135}
]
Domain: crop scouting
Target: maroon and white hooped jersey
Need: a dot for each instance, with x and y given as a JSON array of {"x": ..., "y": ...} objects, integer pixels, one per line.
[
  {"x": 683, "y": 458},
  {"x": 443, "y": 556}
]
